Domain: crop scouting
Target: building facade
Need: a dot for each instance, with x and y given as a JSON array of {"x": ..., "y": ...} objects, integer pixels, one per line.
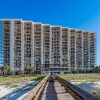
[{"x": 45, "y": 47}]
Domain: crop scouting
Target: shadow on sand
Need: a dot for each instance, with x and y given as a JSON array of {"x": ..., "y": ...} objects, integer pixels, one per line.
[{"x": 18, "y": 93}]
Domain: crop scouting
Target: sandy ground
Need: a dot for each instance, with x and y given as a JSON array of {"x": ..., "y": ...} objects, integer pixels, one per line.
[
  {"x": 8, "y": 93},
  {"x": 87, "y": 86},
  {"x": 5, "y": 90}
]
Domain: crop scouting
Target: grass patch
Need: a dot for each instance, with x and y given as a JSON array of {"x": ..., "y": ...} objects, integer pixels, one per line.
[
  {"x": 14, "y": 85},
  {"x": 17, "y": 79},
  {"x": 86, "y": 77}
]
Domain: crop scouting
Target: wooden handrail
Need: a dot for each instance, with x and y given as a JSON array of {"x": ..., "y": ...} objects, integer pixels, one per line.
[
  {"x": 35, "y": 92},
  {"x": 75, "y": 91}
]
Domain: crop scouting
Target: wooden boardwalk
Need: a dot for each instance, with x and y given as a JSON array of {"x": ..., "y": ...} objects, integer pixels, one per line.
[
  {"x": 54, "y": 91},
  {"x": 52, "y": 87}
]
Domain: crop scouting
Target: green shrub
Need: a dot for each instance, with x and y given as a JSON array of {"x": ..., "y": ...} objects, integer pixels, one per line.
[
  {"x": 14, "y": 85},
  {"x": 10, "y": 73}
]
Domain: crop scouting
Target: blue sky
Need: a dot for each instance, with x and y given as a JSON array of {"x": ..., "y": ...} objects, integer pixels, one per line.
[{"x": 81, "y": 14}]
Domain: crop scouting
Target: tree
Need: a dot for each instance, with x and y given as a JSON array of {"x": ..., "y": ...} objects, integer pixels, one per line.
[
  {"x": 25, "y": 70},
  {"x": 1, "y": 70},
  {"x": 96, "y": 69},
  {"x": 10, "y": 72},
  {"x": 70, "y": 71},
  {"x": 4, "y": 69},
  {"x": 76, "y": 71},
  {"x": 29, "y": 69}
]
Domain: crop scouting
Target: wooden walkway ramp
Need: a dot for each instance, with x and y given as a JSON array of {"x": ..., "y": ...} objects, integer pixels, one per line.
[
  {"x": 54, "y": 91},
  {"x": 52, "y": 87}
]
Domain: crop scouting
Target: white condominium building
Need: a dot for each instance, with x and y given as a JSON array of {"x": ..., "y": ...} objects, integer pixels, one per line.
[{"x": 45, "y": 47}]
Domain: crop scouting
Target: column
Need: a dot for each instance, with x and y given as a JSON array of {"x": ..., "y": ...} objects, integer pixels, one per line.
[
  {"x": 75, "y": 51},
  {"x": 61, "y": 46},
  {"x": 32, "y": 46},
  {"x": 68, "y": 49},
  {"x": 88, "y": 51},
  {"x": 42, "y": 62},
  {"x": 22, "y": 46},
  {"x": 12, "y": 45},
  {"x": 50, "y": 46}
]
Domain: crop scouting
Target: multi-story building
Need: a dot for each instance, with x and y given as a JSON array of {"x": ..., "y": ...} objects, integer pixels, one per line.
[{"x": 45, "y": 47}]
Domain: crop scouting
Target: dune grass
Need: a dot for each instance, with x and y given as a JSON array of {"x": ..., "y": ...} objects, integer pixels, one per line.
[
  {"x": 86, "y": 77},
  {"x": 17, "y": 79}
]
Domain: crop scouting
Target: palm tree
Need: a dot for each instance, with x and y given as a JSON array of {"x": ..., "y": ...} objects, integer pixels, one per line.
[
  {"x": 97, "y": 69},
  {"x": 31, "y": 70},
  {"x": 28, "y": 69},
  {"x": 25, "y": 70},
  {"x": 4, "y": 69},
  {"x": 0, "y": 70}
]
